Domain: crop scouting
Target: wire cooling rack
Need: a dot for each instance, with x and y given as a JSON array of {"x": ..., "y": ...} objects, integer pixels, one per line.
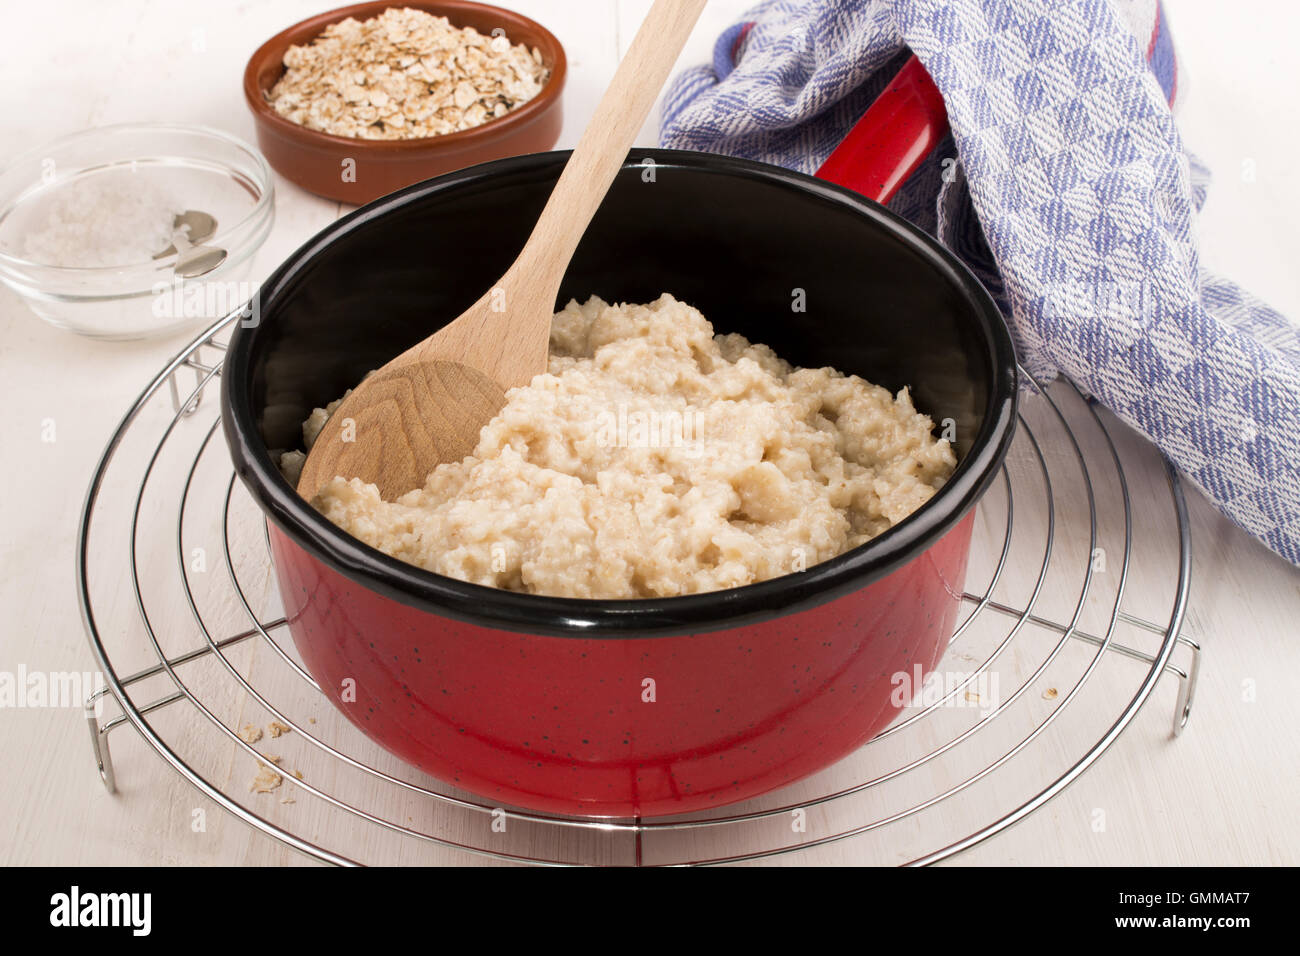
[{"x": 1051, "y": 661}]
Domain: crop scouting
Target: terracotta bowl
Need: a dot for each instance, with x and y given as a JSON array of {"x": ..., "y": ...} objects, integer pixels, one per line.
[{"x": 316, "y": 161}]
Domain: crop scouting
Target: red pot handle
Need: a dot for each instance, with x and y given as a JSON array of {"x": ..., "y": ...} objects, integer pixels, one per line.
[{"x": 896, "y": 133}]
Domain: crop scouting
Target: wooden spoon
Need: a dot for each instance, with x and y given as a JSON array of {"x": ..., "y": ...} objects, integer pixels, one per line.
[{"x": 428, "y": 405}]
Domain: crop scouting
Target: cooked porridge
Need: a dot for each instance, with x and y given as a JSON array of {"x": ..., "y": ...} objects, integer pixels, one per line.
[{"x": 652, "y": 459}]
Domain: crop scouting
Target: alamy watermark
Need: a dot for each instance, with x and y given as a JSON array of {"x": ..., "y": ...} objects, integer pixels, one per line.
[
  {"x": 978, "y": 690},
  {"x": 622, "y": 428},
  {"x": 200, "y": 299},
  {"x": 78, "y": 908},
  {"x": 50, "y": 689}
]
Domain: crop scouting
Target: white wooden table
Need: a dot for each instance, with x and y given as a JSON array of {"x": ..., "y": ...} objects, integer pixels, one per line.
[{"x": 1225, "y": 792}]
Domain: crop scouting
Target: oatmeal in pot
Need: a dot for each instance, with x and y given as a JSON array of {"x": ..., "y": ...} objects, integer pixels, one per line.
[{"x": 653, "y": 459}]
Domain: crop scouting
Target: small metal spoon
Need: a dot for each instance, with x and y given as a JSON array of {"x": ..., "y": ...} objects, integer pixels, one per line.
[
  {"x": 190, "y": 229},
  {"x": 193, "y": 261},
  {"x": 201, "y": 227}
]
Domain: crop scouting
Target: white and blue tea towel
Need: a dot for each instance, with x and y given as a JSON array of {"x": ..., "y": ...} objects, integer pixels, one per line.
[{"x": 1072, "y": 198}]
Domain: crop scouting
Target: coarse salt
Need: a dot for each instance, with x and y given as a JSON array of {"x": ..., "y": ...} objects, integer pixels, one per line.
[{"x": 115, "y": 218}]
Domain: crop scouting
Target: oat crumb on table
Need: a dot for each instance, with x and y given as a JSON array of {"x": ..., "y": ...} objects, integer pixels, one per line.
[
  {"x": 267, "y": 779},
  {"x": 277, "y": 729},
  {"x": 288, "y": 798},
  {"x": 250, "y": 733}
]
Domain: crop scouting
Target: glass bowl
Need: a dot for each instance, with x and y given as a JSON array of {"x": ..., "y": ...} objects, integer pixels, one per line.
[{"x": 71, "y": 241}]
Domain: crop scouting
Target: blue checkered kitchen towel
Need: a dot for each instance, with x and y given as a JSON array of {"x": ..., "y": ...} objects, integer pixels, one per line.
[{"x": 1073, "y": 199}]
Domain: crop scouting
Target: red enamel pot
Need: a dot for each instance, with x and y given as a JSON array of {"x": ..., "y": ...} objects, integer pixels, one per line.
[{"x": 633, "y": 708}]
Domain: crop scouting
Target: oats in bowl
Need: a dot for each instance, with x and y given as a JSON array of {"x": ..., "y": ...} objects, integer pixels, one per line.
[
  {"x": 404, "y": 74},
  {"x": 653, "y": 459}
]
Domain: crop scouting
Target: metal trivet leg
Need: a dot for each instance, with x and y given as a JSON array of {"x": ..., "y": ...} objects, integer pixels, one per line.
[
  {"x": 99, "y": 730},
  {"x": 99, "y": 742},
  {"x": 1186, "y": 678},
  {"x": 203, "y": 373}
]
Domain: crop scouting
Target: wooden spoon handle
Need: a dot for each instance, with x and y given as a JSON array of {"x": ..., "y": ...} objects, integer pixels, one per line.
[{"x": 604, "y": 146}]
